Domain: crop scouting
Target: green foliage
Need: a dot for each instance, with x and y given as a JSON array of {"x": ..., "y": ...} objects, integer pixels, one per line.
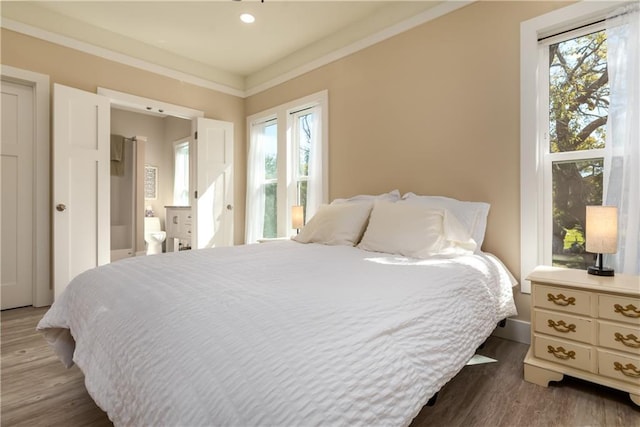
[
  {"x": 270, "y": 198},
  {"x": 270, "y": 210},
  {"x": 578, "y": 93},
  {"x": 573, "y": 238}
]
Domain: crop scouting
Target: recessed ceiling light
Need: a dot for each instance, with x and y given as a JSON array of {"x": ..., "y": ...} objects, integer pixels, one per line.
[{"x": 247, "y": 18}]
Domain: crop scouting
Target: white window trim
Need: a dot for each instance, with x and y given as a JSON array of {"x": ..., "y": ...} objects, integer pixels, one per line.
[
  {"x": 531, "y": 154},
  {"x": 283, "y": 115}
]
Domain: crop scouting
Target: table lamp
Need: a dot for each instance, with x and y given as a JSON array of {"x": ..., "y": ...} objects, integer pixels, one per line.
[
  {"x": 297, "y": 217},
  {"x": 601, "y": 236}
]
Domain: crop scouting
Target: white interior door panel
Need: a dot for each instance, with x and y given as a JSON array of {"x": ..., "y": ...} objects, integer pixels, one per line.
[
  {"x": 81, "y": 193},
  {"x": 214, "y": 184}
]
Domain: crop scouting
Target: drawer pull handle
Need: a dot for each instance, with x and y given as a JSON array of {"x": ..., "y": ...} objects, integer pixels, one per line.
[
  {"x": 561, "y": 353},
  {"x": 633, "y": 371},
  {"x": 561, "y": 326},
  {"x": 630, "y": 340},
  {"x": 561, "y": 300},
  {"x": 623, "y": 310}
]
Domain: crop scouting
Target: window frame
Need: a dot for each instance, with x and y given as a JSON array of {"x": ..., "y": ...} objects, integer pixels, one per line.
[
  {"x": 534, "y": 224},
  {"x": 294, "y": 116},
  {"x": 287, "y": 161},
  {"x": 178, "y": 144},
  {"x": 547, "y": 157}
]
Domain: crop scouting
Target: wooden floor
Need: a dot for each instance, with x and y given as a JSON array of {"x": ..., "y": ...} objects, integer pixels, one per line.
[{"x": 37, "y": 390}]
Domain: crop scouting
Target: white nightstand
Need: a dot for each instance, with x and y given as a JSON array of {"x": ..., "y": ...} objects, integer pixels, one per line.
[{"x": 584, "y": 326}]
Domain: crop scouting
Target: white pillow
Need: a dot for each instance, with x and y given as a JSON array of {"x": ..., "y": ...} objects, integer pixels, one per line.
[
  {"x": 391, "y": 196},
  {"x": 406, "y": 229},
  {"x": 472, "y": 215},
  {"x": 340, "y": 224}
]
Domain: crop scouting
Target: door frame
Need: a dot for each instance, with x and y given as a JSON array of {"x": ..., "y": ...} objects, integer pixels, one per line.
[
  {"x": 147, "y": 105},
  {"x": 154, "y": 107},
  {"x": 141, "y": 104},
  {"x": 41, "y": 243}
]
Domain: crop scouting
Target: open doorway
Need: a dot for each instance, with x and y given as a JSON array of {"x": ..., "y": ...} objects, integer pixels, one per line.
[{"x": 142, "y": 142}]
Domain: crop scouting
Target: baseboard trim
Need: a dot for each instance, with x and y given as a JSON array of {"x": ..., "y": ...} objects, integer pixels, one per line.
[{"x": 515, "y": 330}]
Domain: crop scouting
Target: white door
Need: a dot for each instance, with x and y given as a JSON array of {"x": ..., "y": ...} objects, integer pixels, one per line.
[
  {"x": 212, "y": 202},
  {"x": 81, "y": 192},
  {"x": 17, "y": 171}
]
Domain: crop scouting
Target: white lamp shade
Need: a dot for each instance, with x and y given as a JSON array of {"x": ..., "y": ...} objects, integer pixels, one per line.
[
  {"x": 602, "y": 229},
  {"x": 297, "y": 217}
]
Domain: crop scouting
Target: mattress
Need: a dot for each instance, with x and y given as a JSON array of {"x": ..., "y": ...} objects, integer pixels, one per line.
[{"x": 279, "y": 333}]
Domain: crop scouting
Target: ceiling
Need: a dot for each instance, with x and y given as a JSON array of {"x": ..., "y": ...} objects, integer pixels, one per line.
[{"x": 206, "y": 39}]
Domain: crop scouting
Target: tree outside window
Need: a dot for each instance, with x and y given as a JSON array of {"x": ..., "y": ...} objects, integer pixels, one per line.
[
  {"x": 578, "y": 111},
  {"x": 303, "y": 141}
]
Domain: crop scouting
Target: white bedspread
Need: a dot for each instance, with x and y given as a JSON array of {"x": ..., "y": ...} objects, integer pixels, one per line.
[{"x": 277, "y": 334}]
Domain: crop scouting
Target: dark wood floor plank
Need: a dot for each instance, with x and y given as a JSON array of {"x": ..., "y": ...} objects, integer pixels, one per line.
[{"x": 38, "y": 390}]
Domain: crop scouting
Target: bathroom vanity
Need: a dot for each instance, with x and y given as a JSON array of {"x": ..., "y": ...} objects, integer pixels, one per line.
[{"x": 178, "y": 220}]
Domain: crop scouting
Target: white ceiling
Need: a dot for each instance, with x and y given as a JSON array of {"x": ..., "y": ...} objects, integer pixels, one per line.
[{"x": 206, "y": 39}]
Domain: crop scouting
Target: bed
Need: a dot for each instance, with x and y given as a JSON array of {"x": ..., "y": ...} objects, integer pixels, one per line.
[{"x": 283, "y": 333}]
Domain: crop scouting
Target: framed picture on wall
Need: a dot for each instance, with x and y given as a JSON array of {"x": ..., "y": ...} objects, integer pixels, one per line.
[{"x": 150, "y": 182}]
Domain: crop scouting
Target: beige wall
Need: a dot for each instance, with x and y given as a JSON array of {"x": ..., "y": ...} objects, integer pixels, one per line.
[
  {"x": 87, "y": 72},
  {"x": 434, "y": 110}
]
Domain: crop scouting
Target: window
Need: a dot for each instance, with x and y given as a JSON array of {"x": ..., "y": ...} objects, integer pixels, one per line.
[
  {"x": 574, "y": 137},
  {"x": 270, "y": 185},
  {"x": 563, "y": 123},
  {"x": 287, "y": 164},
  {"x": 181, "y": 173},
  {"x": 304, "y": 123}
]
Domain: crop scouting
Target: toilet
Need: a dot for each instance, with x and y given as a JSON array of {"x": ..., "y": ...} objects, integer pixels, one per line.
[{"x": 153, "y": 235}]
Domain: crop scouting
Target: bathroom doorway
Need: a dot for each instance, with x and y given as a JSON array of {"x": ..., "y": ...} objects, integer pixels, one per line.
[
  {"x": 211, "y": 148},
  {"x": 147, "y": 140}
]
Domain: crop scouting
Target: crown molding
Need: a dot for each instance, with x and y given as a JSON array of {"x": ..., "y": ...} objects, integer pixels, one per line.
[{"x": 111, "y": 55}]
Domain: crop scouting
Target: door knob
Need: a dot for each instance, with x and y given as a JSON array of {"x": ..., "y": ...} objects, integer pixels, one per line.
[
  {"x": 229, "y": 207},
  {"x": 61, "y": 207}
]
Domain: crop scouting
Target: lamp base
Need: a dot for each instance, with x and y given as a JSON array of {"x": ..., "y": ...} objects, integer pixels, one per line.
[{"x": 600, "y": 271}]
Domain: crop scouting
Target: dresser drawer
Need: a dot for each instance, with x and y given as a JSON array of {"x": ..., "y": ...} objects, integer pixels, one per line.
[
  {"x": 618, "y": 366},
  {"x": 568, "y": 353},
  {"x": 621, "y": 309},
  {"x": 619, "y": 336},
  {"x": 565, "y": 326},
  {"x": 567, "y": 300}
]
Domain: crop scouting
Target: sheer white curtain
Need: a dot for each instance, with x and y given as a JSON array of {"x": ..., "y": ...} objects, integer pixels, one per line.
[
  {"x": 315, "y": 174},
  {"x": 622, "y": 165},
  {"x": 254, "y": 222},
  {"x": 181, "y": 175}
]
